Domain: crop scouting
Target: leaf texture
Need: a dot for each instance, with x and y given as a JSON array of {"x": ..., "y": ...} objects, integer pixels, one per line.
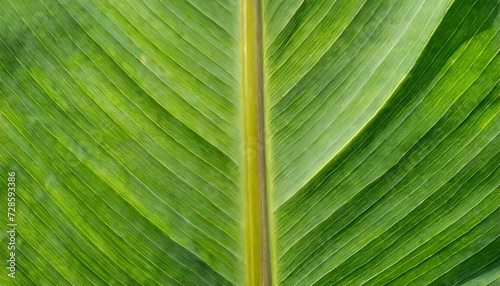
[
  {"x": 384, "y": 148},
  {"x": 123, "y": 121}
]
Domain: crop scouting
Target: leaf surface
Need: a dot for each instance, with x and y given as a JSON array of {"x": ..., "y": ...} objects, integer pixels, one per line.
[{"x": 124, "y": 122}]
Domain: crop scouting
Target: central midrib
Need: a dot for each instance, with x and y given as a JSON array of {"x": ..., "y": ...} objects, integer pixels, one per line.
[{"x": 256, "y": 222}]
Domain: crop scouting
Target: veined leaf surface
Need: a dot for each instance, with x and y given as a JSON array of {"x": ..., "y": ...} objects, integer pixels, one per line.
[{"x": 129, "y": 126}]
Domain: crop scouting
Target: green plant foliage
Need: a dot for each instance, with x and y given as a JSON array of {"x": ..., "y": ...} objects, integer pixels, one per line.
[{"x": 123, "y": 122}]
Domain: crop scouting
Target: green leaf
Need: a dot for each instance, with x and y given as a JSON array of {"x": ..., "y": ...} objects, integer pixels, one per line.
[
  {"x": 232, "y": 142},
  {"x": 384, "y": 143}
]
